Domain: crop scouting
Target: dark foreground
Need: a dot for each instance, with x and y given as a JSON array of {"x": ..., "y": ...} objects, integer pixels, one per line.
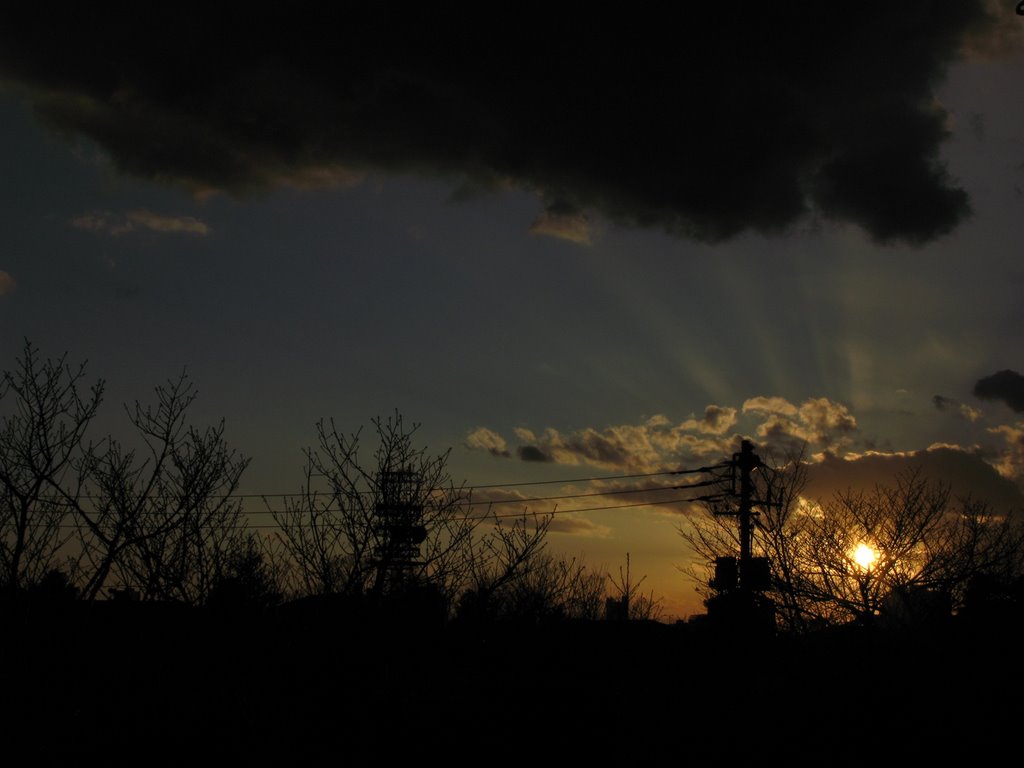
[{"x": 151, "y": 685}]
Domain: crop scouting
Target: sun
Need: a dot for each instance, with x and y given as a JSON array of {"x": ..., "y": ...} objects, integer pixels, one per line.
[{"x": 865, "y": 556}]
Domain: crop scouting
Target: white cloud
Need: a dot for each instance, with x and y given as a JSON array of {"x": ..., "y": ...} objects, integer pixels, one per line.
[
  {"x": 657, "y": 444},
  {"x": 483, "y": 439},
  {"x": 574, "y": 227},
  {"x": 717, "y": 420},
  {"x": 646, "y": 447},
  {"x": 826, "y": 418},
  {"x": 955, "y": 406},
  {"x": 525, "y": 435},
  {"x": 315, "y": 177},
  {"x": 160, "y": 223},
  {"x": 823, "y": 424},
  {"x": 763, "y": 404},
  {"x": 969, "y": 413},
  {"x": 117, "y": 224},
  {"x": 1010, "y": 461}
]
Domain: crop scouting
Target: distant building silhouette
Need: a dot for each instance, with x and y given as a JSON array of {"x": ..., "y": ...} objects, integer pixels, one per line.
[{"x": 616, "y": 608}]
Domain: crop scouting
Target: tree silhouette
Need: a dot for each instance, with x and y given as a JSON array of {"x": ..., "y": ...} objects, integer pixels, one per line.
[
  {"x": 398, "y": 523},
  {"x": 165, "y": 522},
  {"x": 628, "y": 601},
  {"x": 44, "y": 462},
  {"x": 160, "y": 521},
  {"x": 861, "y": 554},
  {"x": 864, "y": 554},
  {"x": 248, "y": 578},
  {"x": 381, "y": 527},
  {"x": 526, "y": 583},
  {"x": 497, "y": 560}
]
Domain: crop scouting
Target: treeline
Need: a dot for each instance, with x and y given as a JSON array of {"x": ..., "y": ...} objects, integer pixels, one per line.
[{"x": 158, "y": 518}]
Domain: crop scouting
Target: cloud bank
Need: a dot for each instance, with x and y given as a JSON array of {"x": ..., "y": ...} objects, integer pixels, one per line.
[
  {"x": 965, "y": 472},
  {"x": 657, "y": 443},
  {"x": 823, "y": 431}
]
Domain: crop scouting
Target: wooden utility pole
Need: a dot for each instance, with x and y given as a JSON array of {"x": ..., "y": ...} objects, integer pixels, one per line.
[
  {"x": 741, "y": 582},
  {"x": 746, "y": 461}
]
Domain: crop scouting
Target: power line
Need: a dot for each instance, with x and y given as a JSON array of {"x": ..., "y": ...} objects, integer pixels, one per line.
[
  {"x": 527, "y": 499},
  {"x": 496, "y": 502},
  {"x": 470, "y": 488},
  {"x": 699, "y": 470},
  {"x": 507, "y": 515},
  {"x": 696, "y": 471}
]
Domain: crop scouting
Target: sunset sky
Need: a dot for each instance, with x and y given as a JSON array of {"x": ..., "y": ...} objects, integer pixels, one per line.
[{"x": 570, "y": 246}]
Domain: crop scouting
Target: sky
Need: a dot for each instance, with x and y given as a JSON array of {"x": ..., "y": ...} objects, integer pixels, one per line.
[{"x": 569, "y": 246}]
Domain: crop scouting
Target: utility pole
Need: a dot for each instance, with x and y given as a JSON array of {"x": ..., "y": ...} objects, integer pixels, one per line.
[
  {"x": 746, "y": 461},
  {"x": 741, "y": 582}
]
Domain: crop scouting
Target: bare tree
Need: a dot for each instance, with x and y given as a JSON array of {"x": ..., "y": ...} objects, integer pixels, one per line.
[
  {"x": 250, "y": 576},
  {"x": 160, "y": 520},
  {"x": 628, "y": 601},
  {"x": 497, "y": 559},
  {"x": 399, "y": 522},
  {"x": 546, "y": 587},
  {"x": 514, "y": 577},
  {"x": 165, "y": 522},
  {"x": 861, "y": 551},
  {"x": 849, "y": 557},
  {"x": 379, "y": 527},
  {"x": 43, "y": 461}
]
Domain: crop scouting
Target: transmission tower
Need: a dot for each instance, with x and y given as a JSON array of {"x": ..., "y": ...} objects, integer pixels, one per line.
[{"x": 398, "y": 526}]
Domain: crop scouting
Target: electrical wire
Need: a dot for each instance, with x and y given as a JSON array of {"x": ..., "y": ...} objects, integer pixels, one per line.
[
  {"x": 505, "y": 515},
  {"x": 470, "y": 488},
  {"x": 527, "y": 499},
  {"x": 503, "y": 502},
  {"x": 507, "y": 502},
  {"x": 508, "y": 515}
]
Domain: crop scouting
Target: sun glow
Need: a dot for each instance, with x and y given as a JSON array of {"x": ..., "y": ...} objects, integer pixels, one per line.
[{"x": 864, "y": 556}]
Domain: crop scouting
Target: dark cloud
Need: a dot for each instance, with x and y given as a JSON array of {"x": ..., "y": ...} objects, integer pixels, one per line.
[
  {"x": 1007, "y": 386},
  {"x": 706, "y": 121},
  {"x": 532, "y": 453},
  {"x": 965, "y": 473},
  {"x": 596, "y": 448}
]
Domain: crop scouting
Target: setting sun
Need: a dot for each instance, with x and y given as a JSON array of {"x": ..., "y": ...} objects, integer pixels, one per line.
[{"x": 865, "y": 556}]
